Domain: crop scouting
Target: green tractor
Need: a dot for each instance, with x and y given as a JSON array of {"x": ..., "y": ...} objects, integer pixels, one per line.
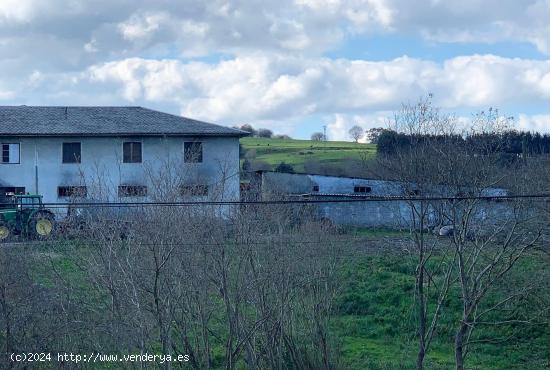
[{"x": 26, "y": 215}]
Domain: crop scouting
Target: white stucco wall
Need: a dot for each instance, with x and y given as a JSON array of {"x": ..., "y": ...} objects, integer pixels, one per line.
[{"x": 101, "y": 167}]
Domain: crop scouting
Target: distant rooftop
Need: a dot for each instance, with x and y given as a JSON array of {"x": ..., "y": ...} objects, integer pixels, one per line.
[{"x": 102, "y": 121}]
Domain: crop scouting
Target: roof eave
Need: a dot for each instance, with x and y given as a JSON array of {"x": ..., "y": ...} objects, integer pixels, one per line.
[{"x": 126, "y": 134}]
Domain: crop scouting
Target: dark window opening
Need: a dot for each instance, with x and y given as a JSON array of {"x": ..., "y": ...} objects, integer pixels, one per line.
[
  {"x": 5, "y": 153},
  {"x": 362, "y": 189},
  {"x": 10, "y": 154},
  {"x": 71, "y": 153},
  {"x": 72, "y": 191},
  {"x": 315, "y": 188},
  {"x": 192, "y": 152},
  {"x": 132, "y": 191},
  {"x": 7, "y": 193},
  {"x": 131, "y": 152},
  {"x": 11, "y": 190},
  {"x": 196, "y": 190}
]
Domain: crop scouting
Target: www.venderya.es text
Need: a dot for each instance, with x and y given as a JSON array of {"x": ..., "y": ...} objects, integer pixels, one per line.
[{"x": 92, "y": 357}]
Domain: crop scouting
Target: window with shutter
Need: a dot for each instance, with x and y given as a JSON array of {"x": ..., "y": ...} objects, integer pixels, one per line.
[{"x": 131, "y": 152}]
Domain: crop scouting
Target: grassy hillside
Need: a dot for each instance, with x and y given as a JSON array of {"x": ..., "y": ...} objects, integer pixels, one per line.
[
  {"x": 298, "y": 152},
  {"x": 374, "y": 321}
]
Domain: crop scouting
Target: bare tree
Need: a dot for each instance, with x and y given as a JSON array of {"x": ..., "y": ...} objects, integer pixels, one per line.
[
  {"x": 415, "y": 167},
  {"x": 317, "y": 136},
  {"x": 487, "y": 238},
  {"x": 356, "y": 133},
  {"x": 486, "y": 254},
  {"x": 24, "y": 305},
  {"x": 188, "y": 277},
  {"x": 490, "y": 238}
]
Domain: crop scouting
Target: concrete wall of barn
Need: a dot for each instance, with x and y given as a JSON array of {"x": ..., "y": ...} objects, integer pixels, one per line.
[
  {"x": 102, "y": 169},
  {"x": 395, "y": 214}
]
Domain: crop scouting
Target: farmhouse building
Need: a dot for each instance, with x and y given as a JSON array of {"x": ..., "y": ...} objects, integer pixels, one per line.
[{"x": 115, "y": 153}]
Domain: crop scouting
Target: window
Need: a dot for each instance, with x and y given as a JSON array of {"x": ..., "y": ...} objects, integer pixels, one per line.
[
  {"x": 11, "y": 190},
  {"x": 10, "y": 153},
  {"x": 362, "y": 189},
  {"x": 413, "y": 193},
  {"x": 192, "y": 152},
  {"x": 71, "y": 153},
  {"x": 196, "y": 190},
  {"x": 315, "y": 188},
  {"x": 72, "y": 191},
  {"x": 132, "y": 191},
  {"x": 6, "y": 195},
  {"x": 131, "y": 152},
  {"x": 29, "y": 202}
]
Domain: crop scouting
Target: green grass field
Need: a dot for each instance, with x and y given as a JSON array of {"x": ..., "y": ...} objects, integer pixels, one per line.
[
  {"x": 373, "y": 322},
  {"x": 297, "y": 152}
]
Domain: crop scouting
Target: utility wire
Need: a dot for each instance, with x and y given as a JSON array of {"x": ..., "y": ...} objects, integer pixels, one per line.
[
  {"x": 228, "y": 243},
  {"x": 288, "y": 201}
]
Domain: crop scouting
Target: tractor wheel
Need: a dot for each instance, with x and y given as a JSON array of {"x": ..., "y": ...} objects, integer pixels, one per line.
[
  {"x": 41, "y": 225},
  {"x": 5, "y": 231}
]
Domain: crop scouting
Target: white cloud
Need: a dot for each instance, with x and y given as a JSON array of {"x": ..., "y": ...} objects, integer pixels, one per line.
[
  {"x": 14, "y": 12},
  {"x": 6, "y": 95},
  {"x": 91, "y": 47},
  {"x": 290, "y": 34},
  {"x": 337, "y": 128},
  {"x": 151, "y": 80},
  {"x": 5, "y": 92},
  {"x": 280, "y": 90},
  {"x": 17, "y": 10},
  {"x": 35, "y": 78},
  {"x": 198, "y": 29},
  {"x": 273, "y": 67},
  {"x": 537, "y": 122},
  {"x": 360, "y": 14},
  {"x": 281, "y": 87},
  {"x": 62, "y": 34},
  {"x": 142, "y": 25},
  {"x": 339, "y": 124},
  {"x": 464, "y": 21}
]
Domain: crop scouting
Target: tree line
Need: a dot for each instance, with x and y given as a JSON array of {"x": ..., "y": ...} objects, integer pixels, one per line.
[
  {"x": 510, "y": 142},
  {"x": 261, "y": 132}
]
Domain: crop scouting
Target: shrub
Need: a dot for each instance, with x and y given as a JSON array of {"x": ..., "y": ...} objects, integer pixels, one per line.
[
  {"x": 284, "y": 167},
  {"x": 256, "y": 165},
  {"x": 263, "y": 132},
  {"x": 248, "y": 128}
]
